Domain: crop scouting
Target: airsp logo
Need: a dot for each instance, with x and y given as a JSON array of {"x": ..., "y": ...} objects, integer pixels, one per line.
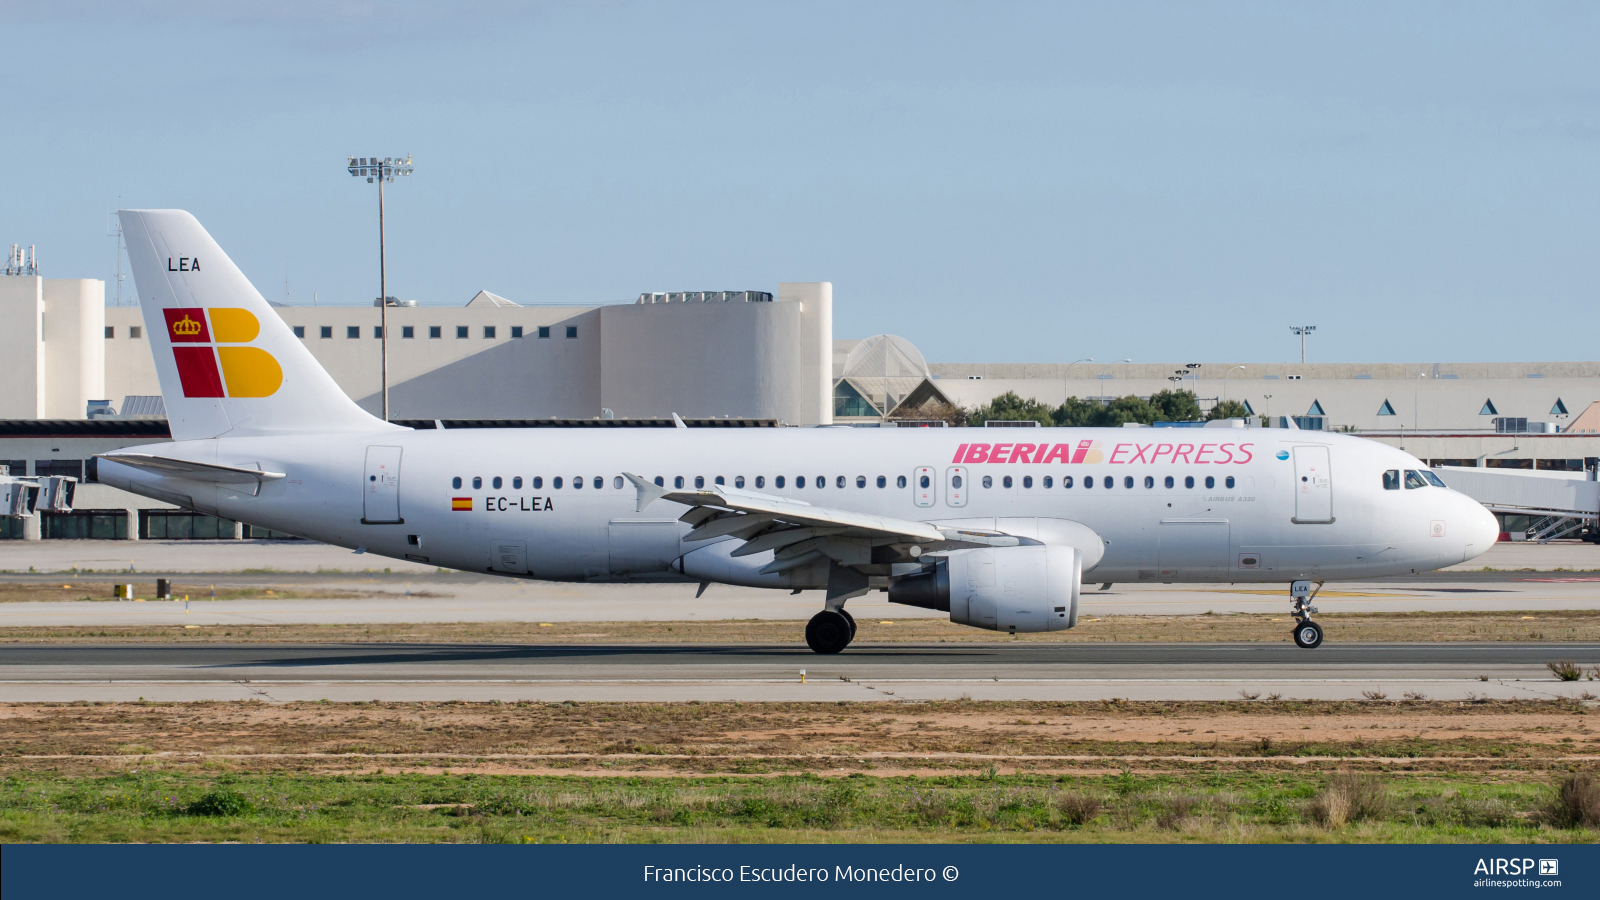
[{"x": 1549, "y": 867}]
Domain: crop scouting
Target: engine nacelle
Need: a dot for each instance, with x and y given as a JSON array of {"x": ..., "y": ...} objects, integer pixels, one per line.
[
  {"x": 1012, "y": 589},
  {"x": 715, "y": 563}
]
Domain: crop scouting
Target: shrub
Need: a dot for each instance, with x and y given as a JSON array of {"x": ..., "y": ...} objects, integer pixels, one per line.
[
  {"x": 220, "y": 802},
  {"x": 1078, "y": 809},
  {"x": 1178, "y": 809},
  {"x": 1565, "y": 670},
  {"x": 1577, "y": 802},
  {"x": 1349, "y": 797}
]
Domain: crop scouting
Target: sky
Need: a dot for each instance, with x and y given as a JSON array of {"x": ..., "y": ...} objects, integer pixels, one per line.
[{"x": 997, "y": 182}]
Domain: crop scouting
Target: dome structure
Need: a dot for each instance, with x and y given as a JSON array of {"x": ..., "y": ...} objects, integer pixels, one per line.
[{"x": 882, "y": 374}]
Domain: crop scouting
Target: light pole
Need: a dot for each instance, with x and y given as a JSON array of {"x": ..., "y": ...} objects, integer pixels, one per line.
[
  {"x": 381, "y": 170},
  {"x": 1225, "y": 382},
  {"x": 1302, "y": 330}
]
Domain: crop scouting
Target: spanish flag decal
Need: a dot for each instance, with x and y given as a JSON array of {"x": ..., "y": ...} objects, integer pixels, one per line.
[{"x": 461, "y": 504}]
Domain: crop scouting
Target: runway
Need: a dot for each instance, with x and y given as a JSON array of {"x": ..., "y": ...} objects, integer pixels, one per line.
[{"x": 660, "y": 672}]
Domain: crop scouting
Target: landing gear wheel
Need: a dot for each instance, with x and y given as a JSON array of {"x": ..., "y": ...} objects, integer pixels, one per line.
[
  {"x": 1308, "y": 635},
  {"x": 851, "y": 619},
  {"x": 828, "y": 632}
]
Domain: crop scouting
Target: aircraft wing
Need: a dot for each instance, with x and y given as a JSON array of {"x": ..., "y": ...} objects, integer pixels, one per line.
[{"x": 194, "y": 471}]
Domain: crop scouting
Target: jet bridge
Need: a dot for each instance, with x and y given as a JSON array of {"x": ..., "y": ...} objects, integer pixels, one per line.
[{"x": 1557, "y": 504}]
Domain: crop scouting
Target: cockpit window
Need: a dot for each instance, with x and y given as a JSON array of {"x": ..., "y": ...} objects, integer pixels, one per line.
[
  {"x": 1433, "y": 479},
  {"x": 1391, "y": 480},
  {"x": 1414, "y": 480}
]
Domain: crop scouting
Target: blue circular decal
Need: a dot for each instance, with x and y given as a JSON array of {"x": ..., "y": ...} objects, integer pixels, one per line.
[{"x": 1283, "y": 454}]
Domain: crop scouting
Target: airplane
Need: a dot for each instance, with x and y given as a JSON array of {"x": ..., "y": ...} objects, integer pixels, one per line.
[{"x": 999, "y": 528}]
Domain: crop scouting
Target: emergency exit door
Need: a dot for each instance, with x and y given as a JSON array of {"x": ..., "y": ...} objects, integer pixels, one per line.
[
  {"x": 1313, "y": 486},
  {"x": 381, "y": 487}
]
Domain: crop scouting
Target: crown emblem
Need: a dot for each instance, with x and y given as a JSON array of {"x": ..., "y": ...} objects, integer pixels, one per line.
[{"x": 186, "y": 326}]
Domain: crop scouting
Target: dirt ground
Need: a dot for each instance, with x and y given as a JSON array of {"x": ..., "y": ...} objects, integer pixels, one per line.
[
  {"x": 1569, "y": 625},
  {"x": 773, "y": 738},
  {"x": 74, "y": 589}
]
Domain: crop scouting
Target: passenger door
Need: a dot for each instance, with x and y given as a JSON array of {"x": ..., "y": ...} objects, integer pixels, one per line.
[
  {"x": 381, "y": 487},
  {"x": 1313, "y": 486},
  {"x": 955, "y": 486},
  {"x": 923, "y": 488}
]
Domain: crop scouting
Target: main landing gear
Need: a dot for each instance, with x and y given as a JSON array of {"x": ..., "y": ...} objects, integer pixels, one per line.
[
  {"x": 1307, "y": 634},
  {"x": 831, "y": 630}
]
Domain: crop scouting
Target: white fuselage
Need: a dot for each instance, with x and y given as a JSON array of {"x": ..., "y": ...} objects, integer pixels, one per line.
[{"x": 1290, "y": 512}]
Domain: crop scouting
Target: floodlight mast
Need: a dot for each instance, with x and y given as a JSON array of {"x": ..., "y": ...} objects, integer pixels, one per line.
[
  {"x": 382, "y": 170},
  {"x": 1302, "y": 330}
]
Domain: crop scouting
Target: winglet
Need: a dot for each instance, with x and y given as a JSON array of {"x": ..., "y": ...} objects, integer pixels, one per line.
[
  {"x": 648, "y": 493},
  {"x": 677, "y": 421}
]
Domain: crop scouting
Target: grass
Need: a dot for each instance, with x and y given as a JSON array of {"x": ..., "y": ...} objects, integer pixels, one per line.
[
  {"x": 380, "y": 807},
  {"x": 1543, "y": 625}
]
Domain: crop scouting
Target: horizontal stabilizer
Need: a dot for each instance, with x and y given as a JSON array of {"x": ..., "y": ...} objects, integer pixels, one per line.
[{"x": 193, "y": 471}]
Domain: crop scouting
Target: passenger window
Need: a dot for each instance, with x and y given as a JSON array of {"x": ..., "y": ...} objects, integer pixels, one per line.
[
  {"x": 699, "y": 481},
  {"x": 556, "y": 482},
  {"x": 660, "y": 482},
  {"x": 1391, "y": 480},
  {"x": 718, "y": 480},
  {"x": 599, "y": 482},
  {"x": 1414, "y": 480},
  {"x": 1167, "y": 481},
  {"x": 516, "y": 483},
  {"x": 1110, "y": 481},
  {"x": 988, "y": 481},
  {"x": 1127, "y": 481},
  {"x": 1149, "y": 481},
  {"x": 1027, "y": 481},
  {"x": 839, "y": 482},
  {"x": 1049, "y": 482},
  {"x": 1432, "y": 479},
  {"x": 1211, "y": 482},
  {"x": 924, "y": 482},
  {"x": 677, "y": 482},
  {"x": 861, "y": 481},
  {"x": 1088, "y": 482},
  {"x": 761, "y": 481},
  {"x": 538, "y": 482},
  {"x": 738, "y": 481},
  {"x": 496, "y": 482},
  {"x": 1005, "y": 482},
  {"x": 955, "y": 481},
  {"x": 477, "y": 482},
  {"x": 1188, "y": 481},
  {"x": 822, "y": 481},
  {"x": 617, "y": 482},
  {"x": 900, "y": 481},
  {"x": 1229, "y": 482},
  {"x": 882, "y": 481},
  {"x": 456, "y": 482},
  {"x": 778, "y": 482},
  {"x": 577, "y": 483},
  {"x": 1066, "y": 481},
  {"x": 799, "y": 481}
]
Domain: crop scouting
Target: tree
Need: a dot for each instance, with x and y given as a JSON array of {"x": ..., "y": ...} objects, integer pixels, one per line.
[
  {"x": 1076, "y": 413},
  {"x": 1175, "y": 406},
  {"x": 1228, "y": 409},
  {"x": 949, "y": 413},
  {"x": 1008, "y": 407},
  {"x": 1128, "y": 409}
]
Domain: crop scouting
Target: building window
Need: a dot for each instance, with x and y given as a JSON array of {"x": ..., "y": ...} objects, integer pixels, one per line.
[
  {"x": 572, "y": 331},
  {"x": 72, "y": 467},
  {"x": 377, "y": 332},
  {"x": 544, "y": 331},
  {"x": 461, "y": 331},
  {"x": 352, "y": 331},
  {"x": 1488, "y": 409},
  {"x": 488, "y": 332},
  {"x": 434, "y": 331},
  {"x": 160, "y": 524},
  {"x": 1560, "y": 409},
  {"x": 300, "y": 331},
  {"x": 1386, "y": 409},
  {"x": 1316, "y": 409},
  {"x": 111, "y": 332},
  {"x": 327, "y": 331},
  {"x": 407, "y": 331},
  {"x": 516, "y": 331}
]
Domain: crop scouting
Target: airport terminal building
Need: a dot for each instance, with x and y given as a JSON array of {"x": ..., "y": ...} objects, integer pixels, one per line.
[{"x": 81, "y": 381}]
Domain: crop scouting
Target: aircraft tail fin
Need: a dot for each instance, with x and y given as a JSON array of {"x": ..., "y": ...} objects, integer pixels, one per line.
[{"x": 228, "y": 364}]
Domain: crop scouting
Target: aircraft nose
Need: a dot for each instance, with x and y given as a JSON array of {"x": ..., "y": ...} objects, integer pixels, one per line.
[{"x": 1480, "y": 528}]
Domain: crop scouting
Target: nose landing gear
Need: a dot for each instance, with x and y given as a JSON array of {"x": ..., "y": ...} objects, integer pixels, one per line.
[{"x": 1307, "y": 634}]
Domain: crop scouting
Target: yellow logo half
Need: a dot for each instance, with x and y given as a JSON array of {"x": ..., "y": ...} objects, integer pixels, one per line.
[
  {"x": 231, "y": 325},
  {"x": 248, "y": 371}
]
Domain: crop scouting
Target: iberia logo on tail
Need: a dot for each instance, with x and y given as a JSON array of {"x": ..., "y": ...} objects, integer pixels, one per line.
[{"x": 209, "y": 363}]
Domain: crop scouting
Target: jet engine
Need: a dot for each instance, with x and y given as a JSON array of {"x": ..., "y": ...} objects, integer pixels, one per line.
[{"x": 1013, "y": 589}]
